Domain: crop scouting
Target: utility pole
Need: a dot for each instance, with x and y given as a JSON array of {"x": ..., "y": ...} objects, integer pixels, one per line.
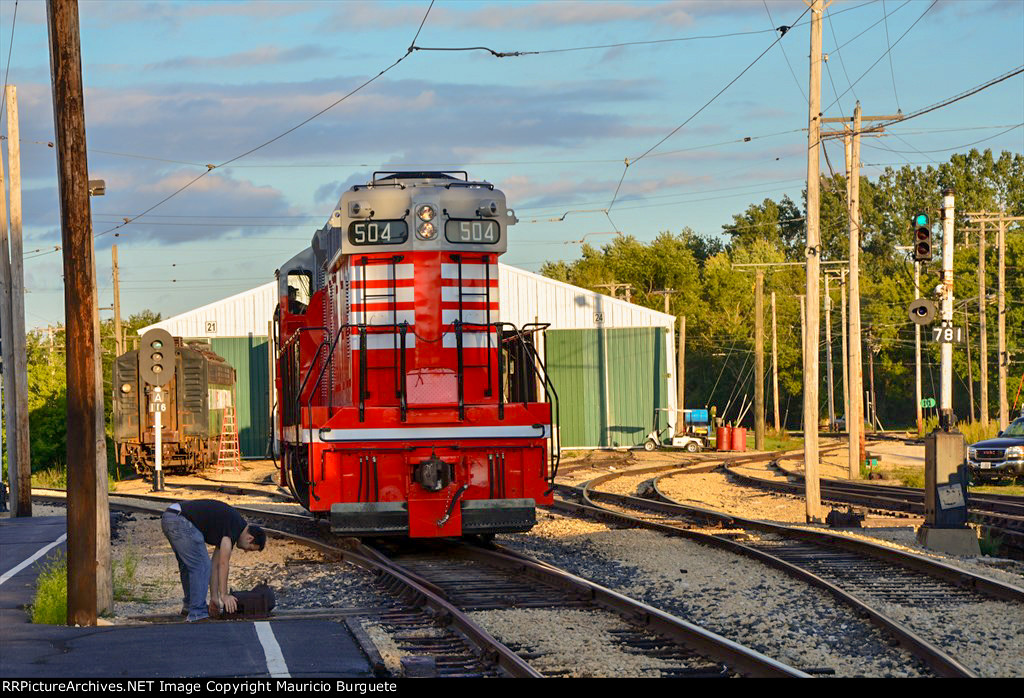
[
  {"x": 855, "y": 416},
  {"x": 1001, "y": 219},
  {"x": 812, "y": 249},
  {"x": 613, "y": 290},
  {"x": 982, "y": 330},
  {"x": 666, "y": 294},
  {"x": 17, "y": 372},
  {"x": 775, "y": 368},
  {"x": 759, "y": 361},
  {"x": 1004, "y": 359},
  {"x": 681, "y": 376},
  {"x": 82, "y": 334},
  {"x": 10, "y": 402},
  {"x": 946, "y": 355},
  {"x": 118, "y": 339},
  {"x": 846, "y": 372},
  {"x": 970, "y": 370},
  {"x": 872, "y": 349},
  {"x": 828, "y": 357},
  {"x": 917, "y": 353}
]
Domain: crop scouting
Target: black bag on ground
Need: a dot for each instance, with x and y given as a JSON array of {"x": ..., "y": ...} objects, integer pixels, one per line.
[{"x": 259, "y": 601}]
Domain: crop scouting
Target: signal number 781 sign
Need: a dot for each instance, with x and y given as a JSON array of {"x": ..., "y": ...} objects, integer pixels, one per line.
[{"x": 948, "y": 333}]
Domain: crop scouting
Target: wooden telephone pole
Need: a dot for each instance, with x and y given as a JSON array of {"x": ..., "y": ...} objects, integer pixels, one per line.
[
  {"x": 613, "y": 290},
  {"x": 775, "y": 368},
  {"x": 982, "y": 321},
  {"x": 82, "y": 330},
  {"x": 16, "y": 373},
  {"x": 118, "y": 338},
  {"x": 813, "y": 252},
  {"x": 759, "y": 361},
  {"x": 851, "y": 134},
  {"x": 1000, "y": 219}
]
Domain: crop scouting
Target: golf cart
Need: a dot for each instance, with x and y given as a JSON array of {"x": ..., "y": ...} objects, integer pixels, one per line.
[{"x": 694, "y": 435}]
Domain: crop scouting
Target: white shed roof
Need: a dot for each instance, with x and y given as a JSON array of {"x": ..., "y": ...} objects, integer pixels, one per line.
[
  {"x": 527, "y": 297},
  {"x": 524, "y": 297},
  {"x": 239, "y": 315}
]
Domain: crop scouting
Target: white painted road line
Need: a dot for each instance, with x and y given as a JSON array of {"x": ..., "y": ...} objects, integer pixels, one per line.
[
  {"x": 272, "y": 651},
  {"x": 26, "y": 563}
]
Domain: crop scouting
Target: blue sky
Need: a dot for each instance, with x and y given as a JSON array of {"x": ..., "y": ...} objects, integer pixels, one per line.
[{"x": 172, "y": 86}]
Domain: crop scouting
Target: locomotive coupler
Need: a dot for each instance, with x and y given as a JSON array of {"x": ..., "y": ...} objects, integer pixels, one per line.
[{"x": 434, "y": 474}]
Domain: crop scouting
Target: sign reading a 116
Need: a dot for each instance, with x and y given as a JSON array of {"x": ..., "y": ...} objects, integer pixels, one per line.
[{"x": 948, "y": 333}]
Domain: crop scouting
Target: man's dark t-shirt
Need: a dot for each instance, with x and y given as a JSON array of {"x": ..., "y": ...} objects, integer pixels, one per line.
[{"x": 214, "y": 519}]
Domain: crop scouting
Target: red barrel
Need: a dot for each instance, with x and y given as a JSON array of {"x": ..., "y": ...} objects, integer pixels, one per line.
[
  {"x": 739, "y": 438},
  {"x": 723, "y": 438}
]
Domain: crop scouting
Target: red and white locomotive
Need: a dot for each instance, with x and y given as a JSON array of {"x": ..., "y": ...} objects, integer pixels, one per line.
[{"x": 405, "y": 407}]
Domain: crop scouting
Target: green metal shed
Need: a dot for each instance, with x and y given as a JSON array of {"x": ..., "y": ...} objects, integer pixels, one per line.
[
  {"x": 609, "y": 383},
  {"x": 248, "y": 356}
]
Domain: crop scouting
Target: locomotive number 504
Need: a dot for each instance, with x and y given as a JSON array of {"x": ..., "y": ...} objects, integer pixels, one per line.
[{"x": 472, "y": 232}]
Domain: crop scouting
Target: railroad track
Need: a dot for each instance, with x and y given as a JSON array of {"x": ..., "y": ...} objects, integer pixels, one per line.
[
  {"x": 435, "y": 592},
  {"x": 864, "y": 576},
  {"x": 480, "y": 580},
  {"x": 1000, "y": 516}
]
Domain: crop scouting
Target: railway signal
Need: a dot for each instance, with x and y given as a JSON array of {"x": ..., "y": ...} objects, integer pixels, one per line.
[
  {"x": 922, "y": 238},
  {"x": 156, "y": 357},
  {"x": 156, "y": 367}
]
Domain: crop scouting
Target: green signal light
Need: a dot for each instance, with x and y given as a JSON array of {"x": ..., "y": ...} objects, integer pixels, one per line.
[{"x": 921, "y": 219}]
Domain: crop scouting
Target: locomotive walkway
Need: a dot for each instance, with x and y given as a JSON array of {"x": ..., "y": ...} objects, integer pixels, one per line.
[{"x": 280, "y": 648}]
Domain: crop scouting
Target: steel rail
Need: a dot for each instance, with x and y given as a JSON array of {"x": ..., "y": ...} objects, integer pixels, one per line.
[
  {"x": 988, "y": 513},
  {"x": 421, "y": 594},
  {"x": 747, "y": 661},
  {"x": 934, "y": 657}
]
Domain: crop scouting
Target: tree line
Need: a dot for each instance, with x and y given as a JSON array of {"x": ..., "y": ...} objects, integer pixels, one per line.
[{"x": 717, "y": 299}]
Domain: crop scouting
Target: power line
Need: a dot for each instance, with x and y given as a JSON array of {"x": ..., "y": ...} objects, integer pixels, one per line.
[
  {"x": 887, "y": 52},
  {"x": 210, "y": 168},
  {"x": 892, "y": 72},
  {"x": 702, "y": 108}
]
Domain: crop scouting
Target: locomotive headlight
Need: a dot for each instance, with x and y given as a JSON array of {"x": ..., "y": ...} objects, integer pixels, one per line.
[
  {"x": 425, "y": 213},
  {"x": 426, "y": 231},
  {"x": 126, "y": 387}
]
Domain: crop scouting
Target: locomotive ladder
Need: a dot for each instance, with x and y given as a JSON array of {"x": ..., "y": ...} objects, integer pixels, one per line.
[
  {"x": 398, "y": 348},
  {"x": 229, "y": 457},
  {"x": 459, "y": 328}
]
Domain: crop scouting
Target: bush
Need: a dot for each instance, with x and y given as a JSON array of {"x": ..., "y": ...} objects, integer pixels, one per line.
[{"x": 973, "y": 433}]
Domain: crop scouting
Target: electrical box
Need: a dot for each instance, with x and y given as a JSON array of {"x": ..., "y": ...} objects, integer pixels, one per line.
[{"x": 945, "y": 480}]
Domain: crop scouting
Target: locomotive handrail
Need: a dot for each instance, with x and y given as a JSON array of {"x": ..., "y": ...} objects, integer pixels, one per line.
[
  {"x": 295, "y": 336},
  {"x": 549, "y": 388}
]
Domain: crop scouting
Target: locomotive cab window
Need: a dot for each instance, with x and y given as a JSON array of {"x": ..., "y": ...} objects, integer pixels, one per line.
[
  {"x": 472, "y": 232},
  {"x": 299, "y": 287}
]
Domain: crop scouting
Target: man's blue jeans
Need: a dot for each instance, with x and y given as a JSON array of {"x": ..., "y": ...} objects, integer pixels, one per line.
[{"x": 193, "y": 562}]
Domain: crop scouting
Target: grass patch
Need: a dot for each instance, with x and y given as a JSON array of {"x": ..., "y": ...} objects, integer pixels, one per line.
[
  {"x": 908, "y": 477},
  {"x": 50, "y": 606},
  {"x": 990, "y": 545},
  {"x": 124, "y": 571},
  {"x": 57, "y": 478},
  {"x": 776, "y": 441},
  {"x": 973, "y": 433},
  {"x": 1017, "y": 488}
]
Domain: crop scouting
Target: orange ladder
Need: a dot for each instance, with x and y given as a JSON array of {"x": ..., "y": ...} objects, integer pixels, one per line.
[{"x": 229, "y": 457}]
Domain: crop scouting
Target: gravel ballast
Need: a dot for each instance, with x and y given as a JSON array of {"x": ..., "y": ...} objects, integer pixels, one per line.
[{"x": 727, "y": 594}]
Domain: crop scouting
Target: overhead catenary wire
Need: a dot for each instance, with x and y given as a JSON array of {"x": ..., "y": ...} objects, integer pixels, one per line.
[
  {"x": 887, "y": 51},
  {"x": 211, "y": 167}
]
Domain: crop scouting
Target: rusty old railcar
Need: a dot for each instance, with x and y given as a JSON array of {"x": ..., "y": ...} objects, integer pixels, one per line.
[{"x": 202, "y": 389}]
